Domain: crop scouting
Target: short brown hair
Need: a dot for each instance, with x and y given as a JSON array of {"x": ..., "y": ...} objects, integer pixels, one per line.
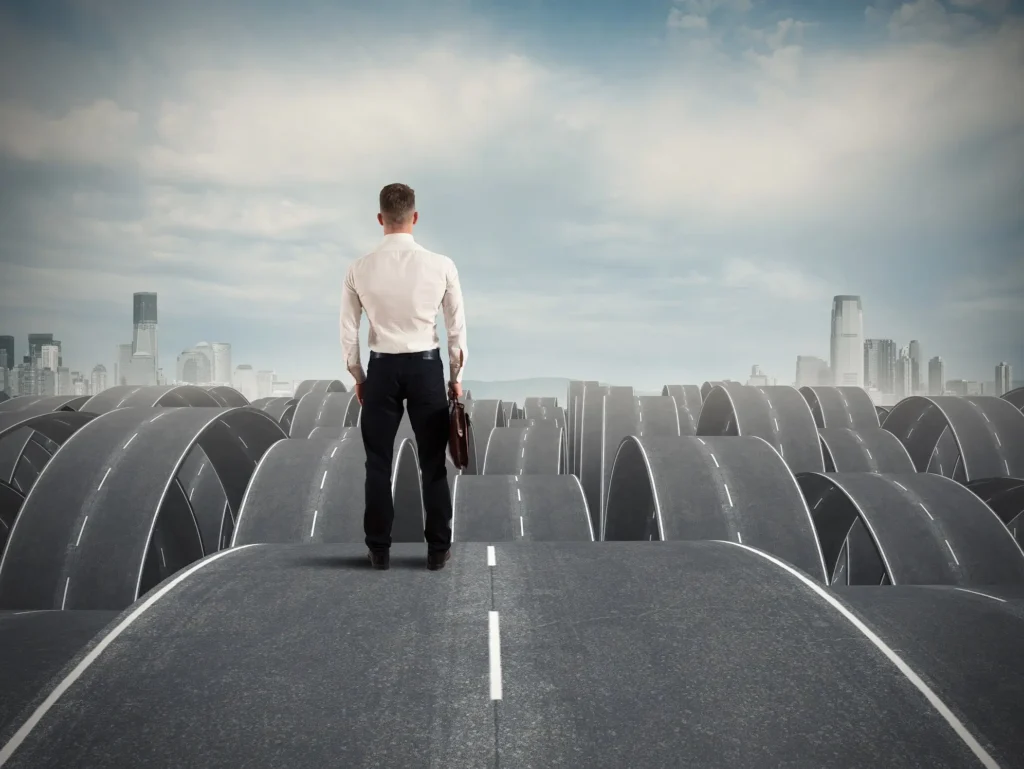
[{"x": 397, "y": 202}]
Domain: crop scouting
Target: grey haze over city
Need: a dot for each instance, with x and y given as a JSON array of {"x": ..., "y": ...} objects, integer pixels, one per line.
[{"x": 673, "y": 193}]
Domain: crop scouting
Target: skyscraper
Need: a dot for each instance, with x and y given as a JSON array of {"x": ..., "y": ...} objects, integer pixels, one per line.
[
  {"x": 915, "y": 367},
  {"x": 1004, "y": 378},
  {"x": 48, "y": 356},
  {"x": 812, "y": 371},
  {"x": 35, "y": 347},
  {"x": 902, "y": 388},
  {"x": 144, "y": 340},
  {"x": 7, "y": 345},
  {"x": 936, "y": 375},
  {"x": 98, "y": 380},
  {"x": 245, "y": 381},
  {"x": 880, "y": 365},
  {"x": 847, "y": 341},
  {"x": 222, "y": 363}
]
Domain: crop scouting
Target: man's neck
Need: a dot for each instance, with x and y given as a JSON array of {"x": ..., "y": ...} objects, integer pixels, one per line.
[{"x": 388, "y": 231}]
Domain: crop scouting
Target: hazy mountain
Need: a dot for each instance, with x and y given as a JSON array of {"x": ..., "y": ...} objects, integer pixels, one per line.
[{"x": 518, "y": 390}]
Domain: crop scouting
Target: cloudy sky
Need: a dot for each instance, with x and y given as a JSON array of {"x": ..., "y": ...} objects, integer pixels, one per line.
[{"x": 646, "y": 192}]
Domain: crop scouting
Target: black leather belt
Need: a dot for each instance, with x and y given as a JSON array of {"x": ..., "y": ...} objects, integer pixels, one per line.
[{"x": 434, "y": 354}]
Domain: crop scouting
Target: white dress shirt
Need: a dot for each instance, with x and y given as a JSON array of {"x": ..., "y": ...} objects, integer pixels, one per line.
[{"x": 401, "y": 286}]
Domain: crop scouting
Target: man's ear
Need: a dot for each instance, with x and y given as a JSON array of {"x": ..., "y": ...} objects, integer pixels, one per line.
[{"x": 380, "y": 219}]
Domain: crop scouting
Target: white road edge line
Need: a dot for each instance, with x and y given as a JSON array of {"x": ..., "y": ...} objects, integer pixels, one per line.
[
  {"x": 495, "y": 653},
  {"x": 26, "y": 728},
  {"x": 893, "y": 657},
  {"x": 951, "y": 552},
  {"x": 983, "y": 595},
  {"x": 490, "y": 556}
]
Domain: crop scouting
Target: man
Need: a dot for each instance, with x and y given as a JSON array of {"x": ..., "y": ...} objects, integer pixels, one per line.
[{"x": 401, "y": 286}]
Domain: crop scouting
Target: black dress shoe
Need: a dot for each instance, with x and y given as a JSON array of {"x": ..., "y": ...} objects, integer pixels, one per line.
[
  {"x": 379, "y": 560},
  {"x": 437, "y": 560}
]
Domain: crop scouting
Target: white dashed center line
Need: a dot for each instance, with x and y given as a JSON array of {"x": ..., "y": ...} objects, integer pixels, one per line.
[
  {"x": 64, "y": 600},
  {"x": 521, "y": 532},
  {"x": 313, "y": 527},
  {"x": 715, "y": 461},
  {"x": 323, "y": 479},
  {"x": 926, "y": 512},
  {"x": 130, "y": 440},
  {"x": 494, "y": 639},
  {"x": 334, "y": 451},
  {"x": 739, "y": 537},
  {"x": 157, "y": 416},
  {"x": 79, "y": 540},
  {"x": 490, "y": 556},
  {"x": 104, "y": 478},
  {"x": 727, "y": 494},
  {"x": 900, "y": 485}
]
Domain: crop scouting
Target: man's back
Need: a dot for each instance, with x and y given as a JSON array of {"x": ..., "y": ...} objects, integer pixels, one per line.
[{"x": 401, "y": 286}]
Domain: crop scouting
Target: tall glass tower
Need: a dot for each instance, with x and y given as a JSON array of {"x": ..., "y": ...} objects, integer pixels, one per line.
[
  {"x": 144, "y": 324},
  {"x": 847, "y": 361}
]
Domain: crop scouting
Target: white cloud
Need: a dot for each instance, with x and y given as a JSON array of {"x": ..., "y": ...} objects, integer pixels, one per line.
[
  {"x": 775, "y": 280},
  {"x": 100, "y": 133}
]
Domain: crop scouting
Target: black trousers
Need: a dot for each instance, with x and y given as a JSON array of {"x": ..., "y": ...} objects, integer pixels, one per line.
[{"x": 419, "y": 382}]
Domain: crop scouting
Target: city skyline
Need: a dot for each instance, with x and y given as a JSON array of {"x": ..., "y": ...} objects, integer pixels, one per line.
[
  {"x": 679, "y": 188},
  {"x": 889, "y": 372}
]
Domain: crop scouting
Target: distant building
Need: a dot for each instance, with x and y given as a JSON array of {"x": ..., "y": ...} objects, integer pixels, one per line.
[
  {"x": 880, "y": 365},
  {"x": 847, "y": 341},
  {"x": 264, "y": 384},
  {"x": 98, "y": 379},
  {"x": 49, "y": 355},
  {"x": 245, "y": 382},
  {"x": 758, "y": 378},
  {"x": 64, "y": 381},
  {"x": 221, "y": 352},
  {"x": 936, "y": 375},
  {"x": 1004, "y": 378},
  {"x": 35, "y": 346},
  {"x": 195, "y": 365},
  {"x": 144, "y": 325},
  {"x": 903, "y": 374},
  {"x": 7, "y": 359},
  {"x": 915, "y": 367},
  {"x": 812, "y": 371}
]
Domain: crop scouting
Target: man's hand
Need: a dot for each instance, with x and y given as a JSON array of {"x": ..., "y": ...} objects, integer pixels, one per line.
[
  {"x": 359, "y": 392},
  {"x": 455, "y": 388}
]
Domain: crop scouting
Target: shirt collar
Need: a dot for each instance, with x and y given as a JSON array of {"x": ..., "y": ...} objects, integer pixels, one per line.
[{"x": 397, "y": 237}]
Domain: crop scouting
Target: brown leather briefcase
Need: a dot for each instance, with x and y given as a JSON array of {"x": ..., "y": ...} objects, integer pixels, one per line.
[{"x": 458, "y": 434}]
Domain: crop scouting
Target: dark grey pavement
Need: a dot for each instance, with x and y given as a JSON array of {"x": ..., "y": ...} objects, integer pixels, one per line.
[
  {"x": 730, "y": 488},
  {"x": 866, "y": 450},
  {"x": 508, "y": 508},
  {"x": 35, "y": 646},
  {"x": 312, "y": 490},
  {"x": 966, "y": 644},
  {"x": 841, "y": 407},
  {"x": 699, "y": 654},
  {"x": 988, "y": 434},
  {"x": 927, "y": 529},
  {"x": 108, "y": 517},
  {"x": 538, "y": 449}
]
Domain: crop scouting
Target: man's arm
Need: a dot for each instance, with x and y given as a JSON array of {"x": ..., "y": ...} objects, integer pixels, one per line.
[
  {"x": 455, "y": 324},
  {"x": 351, "y": 315}
]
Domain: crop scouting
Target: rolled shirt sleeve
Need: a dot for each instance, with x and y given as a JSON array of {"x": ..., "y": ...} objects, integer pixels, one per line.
[
  {"x": 351, "y": 314},
  {"x": 455, "y": 324}
]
